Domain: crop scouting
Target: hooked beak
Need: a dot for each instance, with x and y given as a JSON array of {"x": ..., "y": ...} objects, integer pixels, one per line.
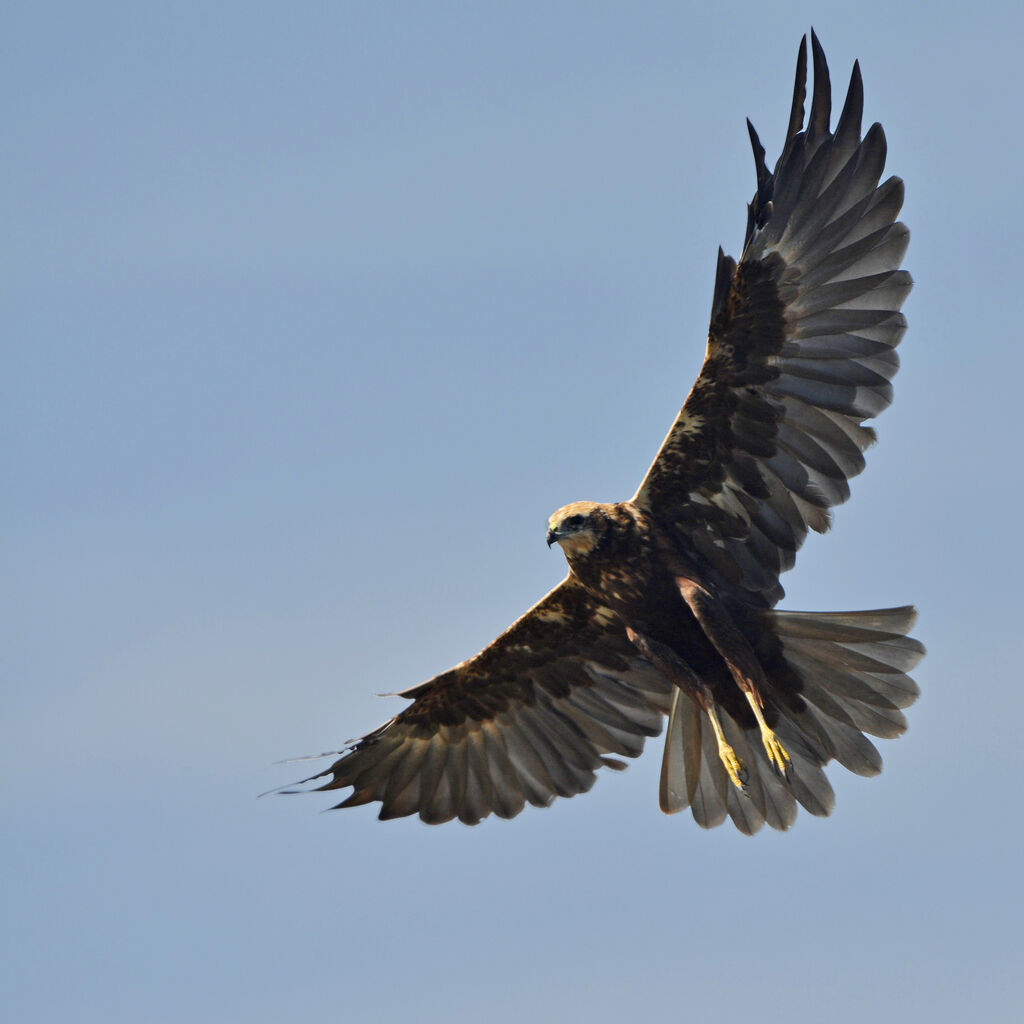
[{"x": 552, "y": 536}]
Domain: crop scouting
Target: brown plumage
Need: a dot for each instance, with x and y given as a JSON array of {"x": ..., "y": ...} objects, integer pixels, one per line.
[{"x": 668, "y": 607}]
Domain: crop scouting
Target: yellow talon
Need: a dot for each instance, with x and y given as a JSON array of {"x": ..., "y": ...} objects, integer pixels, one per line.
[
  {"x": 734, "y": 767},
  {"x": 778, "y": 757}
]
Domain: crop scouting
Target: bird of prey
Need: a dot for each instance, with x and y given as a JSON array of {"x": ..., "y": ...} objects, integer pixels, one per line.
[{"x": 668, "y": 607}]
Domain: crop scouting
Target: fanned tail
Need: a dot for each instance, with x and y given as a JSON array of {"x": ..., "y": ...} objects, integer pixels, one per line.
[{"x": 834, "y": 677}]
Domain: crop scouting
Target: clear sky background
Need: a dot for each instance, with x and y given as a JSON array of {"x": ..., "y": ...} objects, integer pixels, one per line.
[{"x": 311, "y": 314}]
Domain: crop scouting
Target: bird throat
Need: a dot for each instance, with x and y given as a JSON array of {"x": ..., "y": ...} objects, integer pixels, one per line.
[{"x": 579, "y": 546}]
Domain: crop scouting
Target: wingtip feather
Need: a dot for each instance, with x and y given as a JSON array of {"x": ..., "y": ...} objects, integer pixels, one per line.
[
  {"x": 821, "y": 101},
  {"x": 796, "y": 111}
]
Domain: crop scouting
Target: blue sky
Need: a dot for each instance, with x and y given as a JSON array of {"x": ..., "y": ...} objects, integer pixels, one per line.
[{"x": 311, "y": 315}]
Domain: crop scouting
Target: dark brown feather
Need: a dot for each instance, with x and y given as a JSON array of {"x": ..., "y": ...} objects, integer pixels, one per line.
[
  {"x": 530, "y": 717},
  {"x": 800, "y": 353}
]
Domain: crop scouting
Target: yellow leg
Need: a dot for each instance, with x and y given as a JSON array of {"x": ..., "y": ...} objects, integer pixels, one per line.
[
  {"x": 733, "y": 765},
  {"x": 776, "y": 752}
]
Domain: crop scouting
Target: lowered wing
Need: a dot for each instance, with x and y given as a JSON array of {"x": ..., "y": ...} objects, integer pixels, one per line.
[{"x": 531, "y": 717}]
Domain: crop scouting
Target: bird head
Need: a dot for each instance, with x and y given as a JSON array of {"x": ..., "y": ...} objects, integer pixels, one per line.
[{"x": 578, "y": 528}]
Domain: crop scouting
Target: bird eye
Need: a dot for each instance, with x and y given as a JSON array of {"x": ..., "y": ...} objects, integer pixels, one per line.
[{"x": 573, "y": 522}]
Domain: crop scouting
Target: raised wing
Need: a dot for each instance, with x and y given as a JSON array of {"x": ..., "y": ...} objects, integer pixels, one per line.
[
  {"x": 531, "y": 717},
  {"x": 801, "y": 350}
]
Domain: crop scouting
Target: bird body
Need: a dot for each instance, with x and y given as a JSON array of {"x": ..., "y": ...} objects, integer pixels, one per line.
[
  {"x": 618, "y": 557},
  {"x": 669, "y": 605}
]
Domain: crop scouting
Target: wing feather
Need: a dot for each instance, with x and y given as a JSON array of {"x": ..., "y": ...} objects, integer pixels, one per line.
[
  {"x": 800, "y": 352},
  {"x": 531, "y": 717}
]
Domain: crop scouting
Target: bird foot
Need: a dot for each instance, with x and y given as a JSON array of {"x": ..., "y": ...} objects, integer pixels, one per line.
[
  {"x": 734, "y": 767},
  {"x": 778, "y": 756}
]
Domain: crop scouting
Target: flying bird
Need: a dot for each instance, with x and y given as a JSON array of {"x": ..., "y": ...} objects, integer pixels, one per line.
[{"x": 669, "y": 605}]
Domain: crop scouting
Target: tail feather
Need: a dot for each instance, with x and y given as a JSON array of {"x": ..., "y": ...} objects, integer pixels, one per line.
[
  {"x": 811, "y": 787},
  {"x": 709, "y": 800},
  {"x": 849, "y": 670},
  {"x": 885, "y": 623},
  {"x": 886, "y": 723},
  {"x": 889, "y": 690},
  {"x": 673, "y": 791},
  {"x": 847, "y": 744},
  {"x": 746, "y": 806},
  {"x": 780, "y": 804},
  {"x": 859, "y": 659}
]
